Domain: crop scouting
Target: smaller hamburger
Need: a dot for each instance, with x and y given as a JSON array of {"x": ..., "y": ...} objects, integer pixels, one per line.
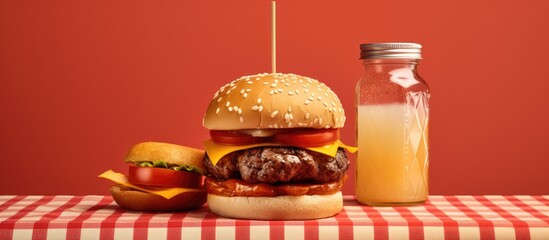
[{"x": 162, "y": 177}]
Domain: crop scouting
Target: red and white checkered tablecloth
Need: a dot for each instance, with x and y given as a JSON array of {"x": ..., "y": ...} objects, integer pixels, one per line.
[{"x": 442, "y": 217}]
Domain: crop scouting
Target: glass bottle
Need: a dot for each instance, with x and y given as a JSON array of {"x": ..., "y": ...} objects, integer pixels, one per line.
[{"x": 392, "y": 126}]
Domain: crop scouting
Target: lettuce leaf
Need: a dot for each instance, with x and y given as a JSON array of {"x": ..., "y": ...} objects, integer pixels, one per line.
[{"x": 163, "y": 164}]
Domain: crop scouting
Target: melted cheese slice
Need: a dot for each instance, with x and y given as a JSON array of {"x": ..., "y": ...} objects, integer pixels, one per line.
[
  {"x": 217, "y": 151},
  {"x": 164, "y": 192}
]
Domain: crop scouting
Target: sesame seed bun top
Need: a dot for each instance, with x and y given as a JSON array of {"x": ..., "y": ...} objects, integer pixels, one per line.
[{"x": 274, "y": 101}]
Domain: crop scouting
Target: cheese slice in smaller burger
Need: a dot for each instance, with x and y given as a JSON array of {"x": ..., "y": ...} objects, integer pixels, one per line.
[{"x": 165, "y": 192}]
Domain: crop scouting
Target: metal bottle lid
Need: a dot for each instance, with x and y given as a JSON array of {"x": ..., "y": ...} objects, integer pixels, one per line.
[{"x": 390, "y": 51}]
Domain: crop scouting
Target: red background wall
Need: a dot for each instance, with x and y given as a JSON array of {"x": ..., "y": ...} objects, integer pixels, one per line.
[{"x": 81, "y": 81}]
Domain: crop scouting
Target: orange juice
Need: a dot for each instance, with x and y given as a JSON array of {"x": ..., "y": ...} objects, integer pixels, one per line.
[{"x": 392, "y": 162}]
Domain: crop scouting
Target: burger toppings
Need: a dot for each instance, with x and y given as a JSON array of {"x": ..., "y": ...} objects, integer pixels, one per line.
[
  {"x": 162, "y": 174},
  {"x": 162, "y": 177},
  {"x": 237, "y": 187},
  {"x": 279, "y": 165},
  {"x": 164, "y": 164},
  {"x": 235, "y": 138},
  {"x": 166, "y": 193},
  {"x": 307, "y": 137},
  {"x": 296, "y": 137},
  {"x": 217, "y": 151}
]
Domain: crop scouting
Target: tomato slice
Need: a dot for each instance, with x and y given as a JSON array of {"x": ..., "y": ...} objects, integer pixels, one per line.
[
  {"x": 308, "y": 138},
  {"x": 162, "y": 177},
  {"x": 235, "y": 138}
]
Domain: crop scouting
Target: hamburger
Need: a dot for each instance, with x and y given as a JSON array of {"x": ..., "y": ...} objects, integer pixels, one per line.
[
  {"x": 161, "y": 177},
  {"x": 274, "y": 151}
]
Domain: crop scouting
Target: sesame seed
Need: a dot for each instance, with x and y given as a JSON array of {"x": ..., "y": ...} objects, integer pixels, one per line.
[
  {"x": 320, "y": 90},
  {"x": 287, "y": 116},
  {"x": 217, "y": 111},
  {"x": 257, "y": 78},
  {"x": 245, "y": 95},
  {"x": 300, "y": 80},
  {"x": 304, "y": 85},
  {"x": 311, "y": 98},
  {"x": 227, "y": 104},
  {"x": 258, "y": 100},
  {"x": 242, "y": 91},
  {"x": 239, "y": 111},
  {"x": 249, "y": 82},
  {"x": 229, "y": 91},
  {"x": 307, "y": 102},
  {"x": 340, "y": 109},
  {"x": 316, "y": 120},
  {"x": 326, "y": 94},
  {"x": 248, "y": 90},
  {"x": 301, "y": 124},
  {"x": 286, "y": 84},
  {"x": 333, "y": 104},
  {"x": 306, "y": 90},
  {"x": 320, "y": 121},
  {"x": 255, "y": 107},
  {"x": 280, "y": 90},
  {"x": 296, "y": 91},
  {"x": 271, "y": 92},
  {"x": 325, "y": 104},
  {"x": 319, "y": 98},
  {"x": 219, "y": 99},
  {"x": 289, "y": 109},
  {"x": 265, "y": 83},
  {"x": 312, "y": 94},
  {"x": 307, "y": 116},
  {"x": 275, "y": 125},
  {"x": 274, "y": 113},
  {"x": 327, "y": 126},
  {"x": 290, "y": 93},
  {"x": 274, "y": 85},
  {"x": 241, "y": 120},
  {"x": 260, "y": 108},
  {"x": 276, "y": 90},
  {"x": 230, "y": 109}
]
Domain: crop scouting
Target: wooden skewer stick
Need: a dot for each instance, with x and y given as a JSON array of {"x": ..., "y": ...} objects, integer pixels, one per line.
[{"x": 273, "y": 36}]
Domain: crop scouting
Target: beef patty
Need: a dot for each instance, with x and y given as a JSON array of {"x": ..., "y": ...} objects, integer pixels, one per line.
[{"x": 279, "y": 164}]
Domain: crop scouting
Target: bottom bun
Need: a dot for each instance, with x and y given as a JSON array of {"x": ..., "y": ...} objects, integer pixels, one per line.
[
  {"x": 277, "y": 208},
  {"x": 141, "y": 201}
]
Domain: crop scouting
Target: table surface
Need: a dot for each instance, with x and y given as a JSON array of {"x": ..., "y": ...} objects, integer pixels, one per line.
[{"x": 442, "y": 217}]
